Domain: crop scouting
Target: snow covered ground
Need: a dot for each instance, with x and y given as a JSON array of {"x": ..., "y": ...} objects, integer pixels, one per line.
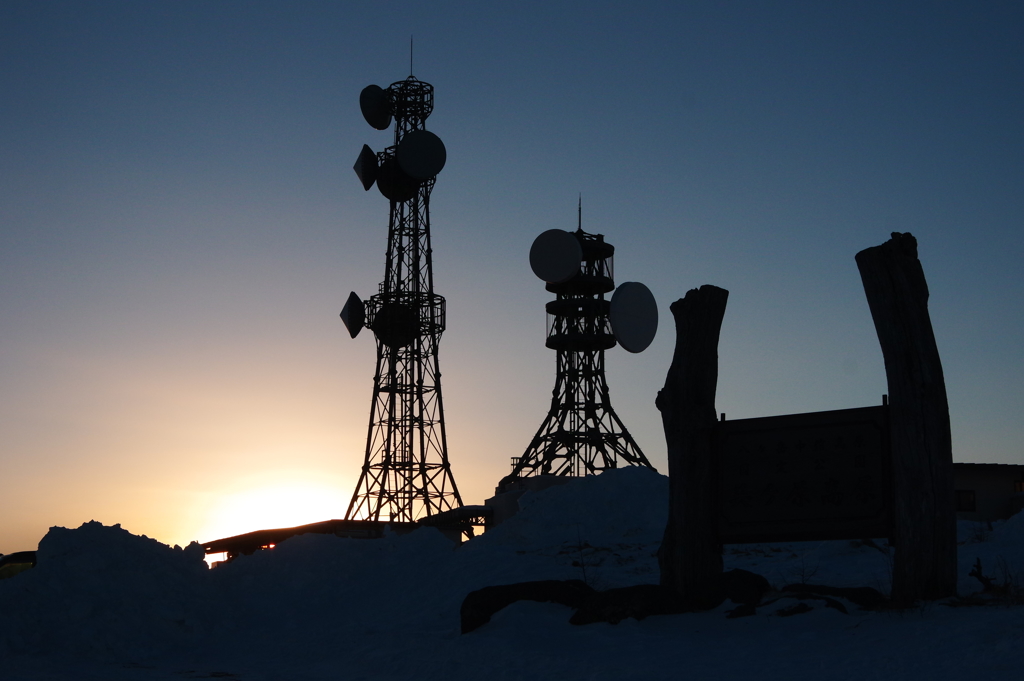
[{"x": 105, "y": 604}]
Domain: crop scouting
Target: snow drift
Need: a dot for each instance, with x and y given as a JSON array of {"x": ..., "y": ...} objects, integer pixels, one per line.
[{"x": 319, "y": 607}]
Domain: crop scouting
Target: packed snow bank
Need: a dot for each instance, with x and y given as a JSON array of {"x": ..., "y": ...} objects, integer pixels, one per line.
[
  {"x": 604, "y": 529},
  {"x": 1000, "y": 548},
  {"x": 104, "y": 592},
  {"x": 322, "y": 607},
  {"x": 623, "y": 505}
]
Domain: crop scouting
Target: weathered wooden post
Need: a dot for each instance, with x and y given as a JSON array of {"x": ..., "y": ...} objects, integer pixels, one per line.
[
  {"x": 924, "y": 565},
  {"x": 691, "y": 553}
]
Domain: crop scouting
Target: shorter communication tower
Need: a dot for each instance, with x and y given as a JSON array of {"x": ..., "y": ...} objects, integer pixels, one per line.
[{"x": 581, "y": 434}]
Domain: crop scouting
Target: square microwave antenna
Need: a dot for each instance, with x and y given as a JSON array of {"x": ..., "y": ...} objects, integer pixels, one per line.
[
  {"x": 376, "y": 107},
  {"x": 555, "y": 256},
  {"x": 633, "y": 316},
  {"x": 366, "y": 167},
  {"x": 353, "y": 314},
  {"x": 421, "y": 154}
]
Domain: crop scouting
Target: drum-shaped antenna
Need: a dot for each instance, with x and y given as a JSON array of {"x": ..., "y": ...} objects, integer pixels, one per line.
[
  {"x": 395, "y": 184},
  {"x": 421, "y": 154},
  {"x": 376, "y": 107},
  {"x": 634, "y": 316},
  {"x": 555, "y": 256},
  {"x": 396, "y": 324},
  {"x": 366, "y": 167},
  {"x": 353, "y": 314}
]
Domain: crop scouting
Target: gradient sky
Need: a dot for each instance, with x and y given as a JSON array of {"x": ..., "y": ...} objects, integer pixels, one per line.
[{"x": 180, "y": 225}]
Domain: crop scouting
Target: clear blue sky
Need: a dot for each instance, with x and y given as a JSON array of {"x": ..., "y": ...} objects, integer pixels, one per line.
[{"x": 180, "y": 225}]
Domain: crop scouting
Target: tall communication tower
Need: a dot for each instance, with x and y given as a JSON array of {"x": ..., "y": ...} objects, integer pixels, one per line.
[
  {"x": 582, "y": 435},
  {"x": 405, "y": 475}
]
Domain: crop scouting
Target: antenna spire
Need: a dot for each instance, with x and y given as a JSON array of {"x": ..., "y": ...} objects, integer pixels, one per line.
[
  {"x": 579, "y": 213},
  {"x": 410, "y": 55}
]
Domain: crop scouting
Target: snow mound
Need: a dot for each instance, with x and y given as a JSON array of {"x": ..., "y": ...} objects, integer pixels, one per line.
[
  {"x": 625, "y": 505},
  {"x": 316, "y": 588},
  {"x": 106, "y": 593},
  {"x": 603, "y": 529},
  {"x": 999, "y": 546},
  {"x": 324, "y": 607},
  {"x": 1010, "y": 531}
]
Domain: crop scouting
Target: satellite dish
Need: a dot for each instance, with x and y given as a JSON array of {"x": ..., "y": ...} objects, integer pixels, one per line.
[
  {"x": 421, "y": 154},
  {"x": 555, "y": 256},
  {"x": 634, "y": 316},
  {"x": 366, "y": 167},
  {"x": 353, "y": 314},
  {"x": 376, "y": 107},
  {"x": 395, "y": 184}
]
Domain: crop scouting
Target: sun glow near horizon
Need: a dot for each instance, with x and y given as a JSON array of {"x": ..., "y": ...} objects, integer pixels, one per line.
[{"x": 274, "y": 503}]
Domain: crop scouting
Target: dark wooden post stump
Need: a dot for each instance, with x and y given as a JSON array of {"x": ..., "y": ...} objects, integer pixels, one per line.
[
  {"x": 690, "y": 556},
  {"x": 924, "y": 565}
]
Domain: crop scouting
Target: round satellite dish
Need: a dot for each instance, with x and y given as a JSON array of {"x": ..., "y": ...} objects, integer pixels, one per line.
[
  {"x": 376, "y": 107},
  {"x": 421, "y": 154},
  {"x": 555, "y": 256},
  {"x": 634, "y": 316},
  {"x": 394, "y": 184}
]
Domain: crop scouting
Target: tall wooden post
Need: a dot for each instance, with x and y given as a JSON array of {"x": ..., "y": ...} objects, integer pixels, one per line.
[
  {"x": 691, "y": 553},
  {"x": 924, "y": 565}
]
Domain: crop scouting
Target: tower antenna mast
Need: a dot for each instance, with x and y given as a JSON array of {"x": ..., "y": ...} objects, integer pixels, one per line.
[
  {"x": 582, "y": 434},
  {"x": 405, "y": 475}
]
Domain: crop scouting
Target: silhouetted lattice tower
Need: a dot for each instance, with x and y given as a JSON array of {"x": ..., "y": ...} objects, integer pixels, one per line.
[
  {"x": 582, "y": 435},
  {"x": 406, "y": 474}
]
